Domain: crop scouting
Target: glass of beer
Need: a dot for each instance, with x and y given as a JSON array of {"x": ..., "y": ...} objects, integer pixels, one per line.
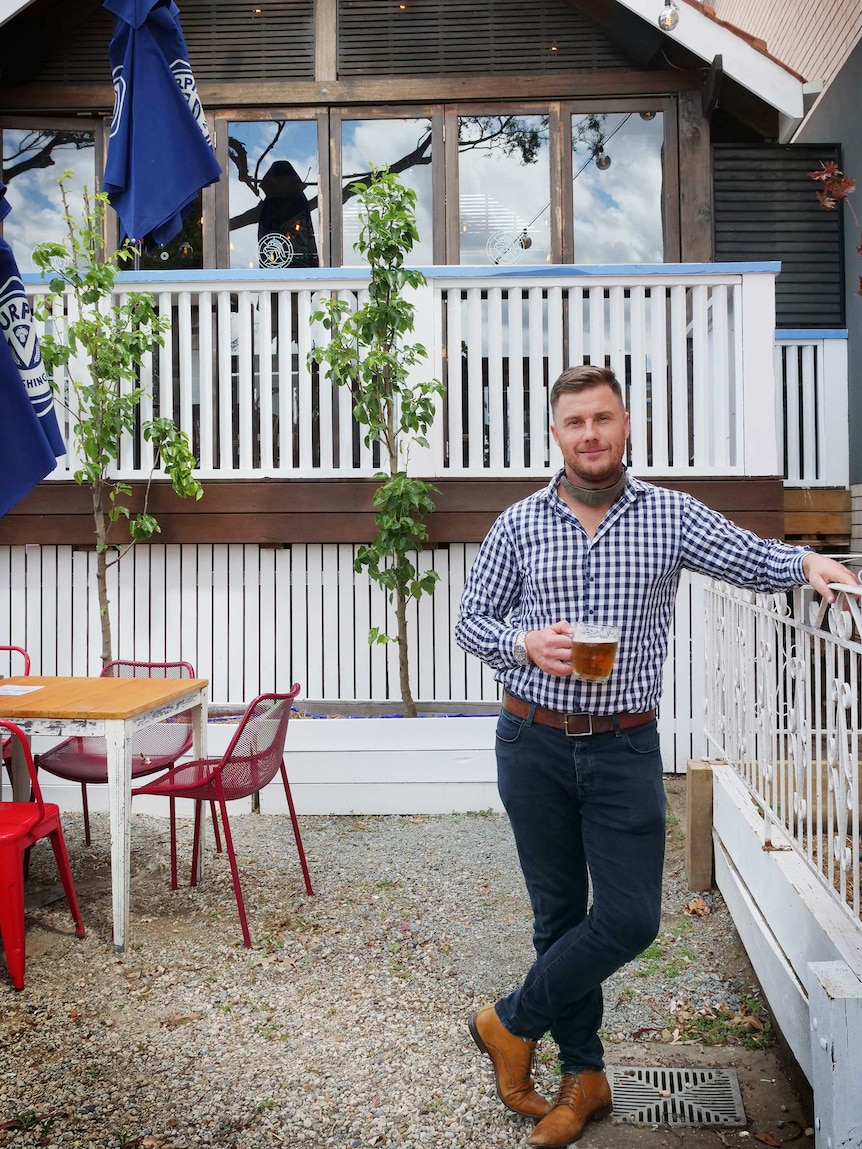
[{"x": 594, "y": 649}]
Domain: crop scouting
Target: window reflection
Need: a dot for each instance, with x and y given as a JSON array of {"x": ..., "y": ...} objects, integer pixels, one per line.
[
  {"x": 403, "y": 145},
  {"x": 617, "y": 187},
  {"x": 273, "y": 194},
  {"x": 33, "y": 161},
  {"x": 504, "y": 185},
  {"x": 183, "y": 251}
]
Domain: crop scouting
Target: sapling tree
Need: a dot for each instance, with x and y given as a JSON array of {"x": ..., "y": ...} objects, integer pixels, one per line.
[
  {"x": 99, "y": 345},
  {"x": 368, "y": 352}
]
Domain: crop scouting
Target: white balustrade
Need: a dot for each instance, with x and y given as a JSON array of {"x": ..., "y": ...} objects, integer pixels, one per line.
[
  {"x": 694, "y": 345},
  {"x": 811, "y": 410}
]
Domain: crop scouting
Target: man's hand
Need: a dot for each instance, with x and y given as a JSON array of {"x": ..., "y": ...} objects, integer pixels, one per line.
[
  {"x": 551, "y": 649},
  {"x": 820, "y": 571}
]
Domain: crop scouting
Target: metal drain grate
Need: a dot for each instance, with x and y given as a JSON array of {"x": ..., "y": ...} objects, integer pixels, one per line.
[{"x": 645, "y": 1096}]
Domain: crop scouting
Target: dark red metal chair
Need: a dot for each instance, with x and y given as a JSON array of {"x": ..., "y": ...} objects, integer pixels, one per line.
[
  {"x": 8, "y": 666},
  {"x": 154, "y": 747},
  {"x": 253, "y": 758},
  {"x": 22, "y": 824}
]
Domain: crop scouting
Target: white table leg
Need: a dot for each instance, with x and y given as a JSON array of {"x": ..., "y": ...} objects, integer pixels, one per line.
[
  {"x": 20, "y": 774},
  {"x": 119, "y": 762},
  {"x": 199, "y": 750}
]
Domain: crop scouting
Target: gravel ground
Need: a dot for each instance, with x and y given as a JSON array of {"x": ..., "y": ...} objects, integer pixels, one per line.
[{"x": 344, "y": 1025}]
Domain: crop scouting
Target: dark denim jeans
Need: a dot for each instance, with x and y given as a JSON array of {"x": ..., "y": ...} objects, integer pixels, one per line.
[{"x": 584, "y": 812}]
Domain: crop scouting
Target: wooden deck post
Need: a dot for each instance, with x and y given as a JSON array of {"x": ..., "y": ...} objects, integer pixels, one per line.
[{"x": 699, "y": 869}]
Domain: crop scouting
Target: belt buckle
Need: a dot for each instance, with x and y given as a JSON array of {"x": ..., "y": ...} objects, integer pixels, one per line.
[{"x": 573, "y": 733}]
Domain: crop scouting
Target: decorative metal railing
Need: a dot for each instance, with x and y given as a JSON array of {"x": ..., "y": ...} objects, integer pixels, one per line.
[
  {"x": 783, "y": 678},
  {"x": 694, "y": 344}
]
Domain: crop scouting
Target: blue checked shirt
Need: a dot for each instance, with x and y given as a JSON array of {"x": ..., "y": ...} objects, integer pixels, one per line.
[{"x": 537, "y": 566}]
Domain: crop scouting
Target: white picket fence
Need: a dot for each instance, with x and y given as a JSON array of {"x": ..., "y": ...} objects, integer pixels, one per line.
[{"x": 253, "y": 618}]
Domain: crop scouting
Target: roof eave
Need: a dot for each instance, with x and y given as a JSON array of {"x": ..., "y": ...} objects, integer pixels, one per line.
[
  {"x": 767, "y": 79},
  {"x": 11, "y": 8}
]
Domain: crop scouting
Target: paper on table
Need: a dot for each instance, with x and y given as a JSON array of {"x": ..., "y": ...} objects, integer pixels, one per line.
[{"x": 11, "y": 689}]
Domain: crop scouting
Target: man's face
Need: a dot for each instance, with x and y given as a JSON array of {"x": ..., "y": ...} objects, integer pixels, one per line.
[{"x": 591, "y": 428}]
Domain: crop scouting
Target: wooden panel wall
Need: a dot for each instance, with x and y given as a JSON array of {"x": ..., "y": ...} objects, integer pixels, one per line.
[{"x": 338, "y": 510}]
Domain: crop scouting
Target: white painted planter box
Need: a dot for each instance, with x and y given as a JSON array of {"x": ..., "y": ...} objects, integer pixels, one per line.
[
  {"x": 805, "y": 949},
  {"x": 429, "y": 765}
]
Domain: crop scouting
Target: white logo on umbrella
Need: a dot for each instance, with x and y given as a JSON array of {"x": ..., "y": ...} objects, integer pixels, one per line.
[
  {"x": 182, "y": 71},
  {"x": 16, "y": 323},
  {"x": 119, "y": 98}
]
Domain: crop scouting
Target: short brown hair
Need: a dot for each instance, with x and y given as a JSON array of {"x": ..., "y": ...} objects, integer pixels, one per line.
[{"x": 582, "y": 379}]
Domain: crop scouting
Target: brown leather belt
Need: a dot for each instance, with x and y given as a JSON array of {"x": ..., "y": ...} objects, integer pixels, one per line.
[{"x": 576, "y": 725}]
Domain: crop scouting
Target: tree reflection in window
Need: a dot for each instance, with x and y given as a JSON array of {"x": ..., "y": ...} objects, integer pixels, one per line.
[{"x": 33, "y": 161}]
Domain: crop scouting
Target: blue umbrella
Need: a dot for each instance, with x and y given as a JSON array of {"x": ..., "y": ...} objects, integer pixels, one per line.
[
  {"x": 30, "y": 438},
  {"x": 159, "y": 152}
]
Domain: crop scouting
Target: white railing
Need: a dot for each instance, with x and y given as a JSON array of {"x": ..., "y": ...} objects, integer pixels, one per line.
[
  {"x": 811, "y": 408},
  {"x": 783, "y": 708},
  {"x": 694, "y": 344}
]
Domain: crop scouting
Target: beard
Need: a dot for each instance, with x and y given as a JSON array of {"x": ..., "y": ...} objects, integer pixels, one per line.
[{"x": 601, "y": 473}]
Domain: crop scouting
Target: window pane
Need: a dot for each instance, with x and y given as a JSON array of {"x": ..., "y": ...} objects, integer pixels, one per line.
[
  {"x": 185, "y": 250},
  {"x": 273, "y": 193},
  {"x": 33, "y": 161},
  {"x": 379, "y": 143},
  {"x": 504, "y": 185},
  {"x": 617, "y": 187}
]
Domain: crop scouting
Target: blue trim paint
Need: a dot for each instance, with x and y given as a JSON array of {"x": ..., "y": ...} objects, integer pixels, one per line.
[
  {"x": 806, "y": 335},
  {"x": 548, "y": 271}
]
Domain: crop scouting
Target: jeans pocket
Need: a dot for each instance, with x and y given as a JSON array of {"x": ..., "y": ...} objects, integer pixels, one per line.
[
  {"x": 642, "y": 739},
  {"x": 509, "y": 727}
]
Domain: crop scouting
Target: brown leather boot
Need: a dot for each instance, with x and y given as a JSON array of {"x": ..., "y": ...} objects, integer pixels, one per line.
[
  {"x": 583, "y": 1097},
  {"x": 512, "y": 1059}
]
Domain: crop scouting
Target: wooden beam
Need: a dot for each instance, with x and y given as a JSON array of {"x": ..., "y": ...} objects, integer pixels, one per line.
[
  {"x": 695, "y": 180},
  {"x": 325, "y": 41},
  {"x": 279, "y": 511},
  {"x": 399, "y": 90},
  {"x": 712, "y": 86}
]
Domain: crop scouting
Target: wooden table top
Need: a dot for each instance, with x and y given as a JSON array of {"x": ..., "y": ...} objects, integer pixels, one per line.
[{"x": 97, "y": 698}]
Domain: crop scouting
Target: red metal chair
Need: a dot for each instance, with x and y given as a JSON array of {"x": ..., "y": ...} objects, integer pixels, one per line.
[
  {"x": 22, "y": 824},
  {"x": 13, "y": 652},
  {"x": 84, "y": 760},
  {"x": 251, "y": 761}
]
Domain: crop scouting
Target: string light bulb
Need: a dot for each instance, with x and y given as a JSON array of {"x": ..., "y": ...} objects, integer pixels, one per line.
[
  {"x": 603, "y": 161},
  {"x": 669, "y": 16}
]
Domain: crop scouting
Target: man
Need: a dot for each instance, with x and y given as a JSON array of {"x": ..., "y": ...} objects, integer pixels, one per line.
[{"x": 579, "y": 766}]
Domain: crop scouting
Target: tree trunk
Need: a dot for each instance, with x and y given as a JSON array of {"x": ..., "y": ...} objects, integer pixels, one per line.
[
  {"x": 102, "y": 573},
  {"x": 403, "y": 663}
]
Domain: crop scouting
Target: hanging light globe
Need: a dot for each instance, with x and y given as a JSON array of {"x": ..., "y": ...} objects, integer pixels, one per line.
[{"x": 669, "y": 16}]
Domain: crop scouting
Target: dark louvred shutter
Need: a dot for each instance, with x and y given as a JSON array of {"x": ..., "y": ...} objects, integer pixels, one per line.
[
  {"x": 227, "y": 40},
  {"x": 766, "y": 208},
  {"x": 453, "y": 37}
]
